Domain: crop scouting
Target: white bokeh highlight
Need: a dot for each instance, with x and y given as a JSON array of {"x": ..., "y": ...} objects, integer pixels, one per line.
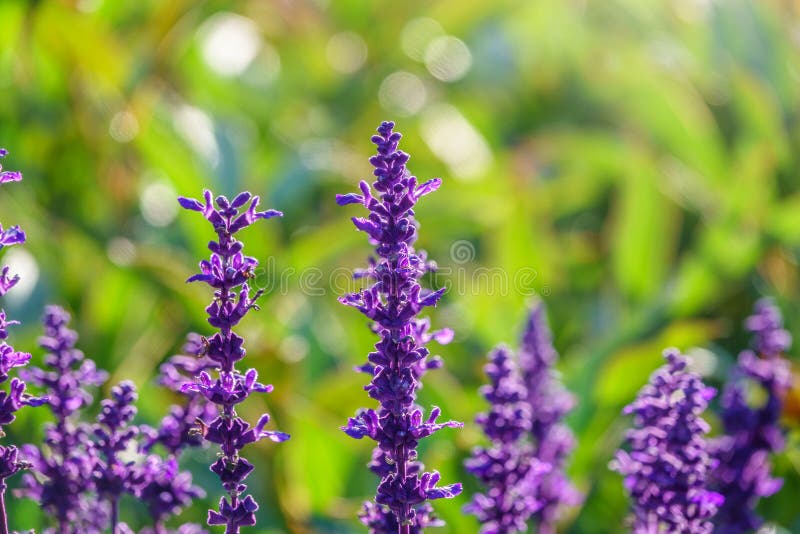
[
  {"x": 346, "y": 52},
  {"x": 455, "y": 141},
  {"x": 402, "y": 93},
  {"x": 448, "y": 58},
  {"x": 229, "y": 43},
  {"x": 22, "y": 263}
]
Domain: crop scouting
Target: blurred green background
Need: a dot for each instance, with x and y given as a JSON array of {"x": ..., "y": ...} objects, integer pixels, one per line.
[{"x": 634, "y": 163}]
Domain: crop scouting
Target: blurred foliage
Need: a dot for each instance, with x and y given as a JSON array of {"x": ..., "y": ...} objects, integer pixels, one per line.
[{"x": 634, "y": 163}]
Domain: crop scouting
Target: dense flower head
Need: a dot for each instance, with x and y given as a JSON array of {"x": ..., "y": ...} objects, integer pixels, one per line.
[
  {"x": 392, "y": 302},
  {"x": 507, "y": 468},
  {"x": 114, "y": 434},
  {"x": 64, "y": 458},
  {"x": 667, "y": 467},
  {"x": 66, "y": 373},
  {"x": 752, "y": 432},
  {"x": 548, "y": 402},
  {"x": 227, "y": 272}
]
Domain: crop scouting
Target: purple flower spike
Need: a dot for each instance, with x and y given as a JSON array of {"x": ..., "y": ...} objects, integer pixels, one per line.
[
  {"x": 64, "y": 459},
  {"x": 549, "y": 403},
  {"x": 393, "y": 302},
  {"x": 227, "y": 272},
  {"x": 668, "y": 464},
  {"x": 509, "y": 472},
  {"x": 15, "y": 398},
  {"x": 752, "y": 433},
  {"x": 114, "y": 434}
]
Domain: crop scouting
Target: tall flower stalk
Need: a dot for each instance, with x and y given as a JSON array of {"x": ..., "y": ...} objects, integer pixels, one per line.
[
  {"x": 509, "y": 472},
  {"x": 15, "y": 398},
  {"x": 393, "y": 302},
  {"x": 667, "y": 469},
  {"x": 752, "y": 433},
  {"x": 227, "y": 272},
  {"x": 65, "y": 459},
  {"x": 113, "y": 474},
  {"x": 549, "y": 402}
]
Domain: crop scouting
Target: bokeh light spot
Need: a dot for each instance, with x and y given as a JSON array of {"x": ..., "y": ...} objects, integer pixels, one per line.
[
  {"x": 157, "y": 203},
  {"x": 123, "y": 127},
  {"x": 417, "y": 35},
  {"x": 230, "y": 43},
  {"x": 22, "y": 263},
  {"x": 402, "y": 93},
  {"x": 448, "y": 58},
  {"x": 455, "y": 141},
  {"x": 197, "y": 128},
  {"x": 121, "y": 251},
  {"x": 346, "y": 52}
]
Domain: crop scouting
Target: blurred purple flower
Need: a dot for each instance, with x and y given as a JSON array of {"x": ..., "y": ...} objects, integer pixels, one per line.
[
  {"x": 178, "y": 428},
  {"x": 668, "y": 465},
  {"x": 165, "y": 490},
  {"x": 549, "y": 402},
  {"x": 393, "y": 302},
  {"x": 752, "y": 434},
  {"x": 114, "y": 435},
  {"x": 64, "y": 458},
  {"x": 507, "y": 469},
  {"x": 227, "y": 272}
]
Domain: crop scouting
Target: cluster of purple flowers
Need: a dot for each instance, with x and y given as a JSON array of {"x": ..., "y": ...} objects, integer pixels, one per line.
[
  {"x": 393, "y": 302},
  {"x": 507, "y": 469},
  {"x": 111, "y": 450},
  {"x": 667, "y": 468},
  {"x": 227, "y": 272},
  {"x": 523, "y": 469},
  {"x": 752, "y": 434},
  {"x": 64, "y": 459},
  {"x": 16, "y": 397}
]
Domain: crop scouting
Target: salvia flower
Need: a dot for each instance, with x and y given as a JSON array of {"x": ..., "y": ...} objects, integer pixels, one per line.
[
  {"x": 15, "y": 398},
  {"x": 507, "y": 469},
  {"x": 64, "y": 459},
  {"x": 549, "y": 402},
  {"x": 227, "y": 272},
  {"x": 393, "y": 302},
  {"x": 752, "y": 433},
  {"x": 114, "y": 473},
  {"x": 666, "y": 471}
]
